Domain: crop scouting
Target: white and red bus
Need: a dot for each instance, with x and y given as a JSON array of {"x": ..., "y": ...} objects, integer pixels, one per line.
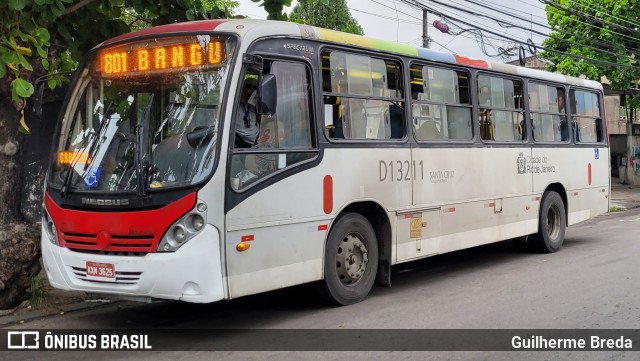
[{"x": 366, "y": 154}]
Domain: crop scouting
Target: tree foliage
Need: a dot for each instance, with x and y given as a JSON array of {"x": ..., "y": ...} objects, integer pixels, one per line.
[
  {"x": 331, "y": 15},
  {"x": 44, "y": 37},
  {"x": 275, "y": 8},
  {"x": 595, "y": 29}
]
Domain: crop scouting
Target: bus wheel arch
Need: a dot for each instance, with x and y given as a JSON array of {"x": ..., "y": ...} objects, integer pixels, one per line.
[
  {"x": 360, "y": 228},
  {"x": 559, "y": 188},
  {"x": 552, "y": 220}
]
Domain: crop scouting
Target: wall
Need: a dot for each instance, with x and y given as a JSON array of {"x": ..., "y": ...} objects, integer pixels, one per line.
[
  {"x": 633, "y": 164},
  {"x": 612, "y": 108}
]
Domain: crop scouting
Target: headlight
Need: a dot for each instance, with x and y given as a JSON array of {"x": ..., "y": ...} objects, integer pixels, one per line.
[
  {"x": 184, "y": 229},
  {"x": 179, "y": 234},
  {"x": 196, "y": 222},
  {"x": 49, "y": 227}
]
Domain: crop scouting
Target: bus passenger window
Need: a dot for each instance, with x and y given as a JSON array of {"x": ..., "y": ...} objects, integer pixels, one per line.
[
  {"x": 586, "y": 117},
  {"x": 441, "y": 109},
  {"x": 548, "y": 117},
  {"x": 363, "y": 95},
  {"x": 500, "y": 109}
]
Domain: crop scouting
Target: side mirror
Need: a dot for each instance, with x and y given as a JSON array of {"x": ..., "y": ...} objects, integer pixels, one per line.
[
  {"x": 199, "y": 136},
  {"x": 267, "y": 94}
]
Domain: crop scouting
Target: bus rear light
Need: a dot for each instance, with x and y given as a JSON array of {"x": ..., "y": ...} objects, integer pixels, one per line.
[{"x": 184, "y": 229}]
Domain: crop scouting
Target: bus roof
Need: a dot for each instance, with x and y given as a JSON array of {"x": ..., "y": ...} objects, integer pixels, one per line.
[{"x": 252, "y": 29}]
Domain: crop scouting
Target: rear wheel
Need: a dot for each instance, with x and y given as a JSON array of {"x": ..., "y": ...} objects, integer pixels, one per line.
[
  {"x": 551, "y": 224},
  {"x": 351, "y": 260}
]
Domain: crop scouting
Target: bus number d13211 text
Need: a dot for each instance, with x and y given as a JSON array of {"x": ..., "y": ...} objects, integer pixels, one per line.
[{"x": 398, "y": 170}]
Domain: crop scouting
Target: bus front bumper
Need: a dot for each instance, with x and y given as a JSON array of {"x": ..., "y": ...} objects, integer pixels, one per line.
[{"x": 193, "y": 273}]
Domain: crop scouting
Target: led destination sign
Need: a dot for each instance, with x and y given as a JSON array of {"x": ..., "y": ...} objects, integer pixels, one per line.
[{"x": 120, "y": 61}]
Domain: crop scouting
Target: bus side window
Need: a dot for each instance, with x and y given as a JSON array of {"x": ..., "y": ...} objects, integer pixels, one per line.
[
  {"x": 441, "y": 109},
  {"x": 500, "y": 108},
  {"x": 362, "y": 97},
  {"x": 284, "y": 138},
  {"x": 586, "y": 117}
]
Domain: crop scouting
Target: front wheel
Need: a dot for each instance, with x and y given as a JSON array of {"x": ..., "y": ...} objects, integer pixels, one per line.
[
  {"x": 351, "y": 260},
  {"x": 551, "y": 224}
]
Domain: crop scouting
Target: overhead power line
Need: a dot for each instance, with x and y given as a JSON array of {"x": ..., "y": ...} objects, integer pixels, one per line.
[{"x": 596, "y": 61}]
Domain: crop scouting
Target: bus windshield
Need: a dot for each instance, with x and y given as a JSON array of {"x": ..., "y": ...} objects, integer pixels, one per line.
[{"x": 143, "y": 116}]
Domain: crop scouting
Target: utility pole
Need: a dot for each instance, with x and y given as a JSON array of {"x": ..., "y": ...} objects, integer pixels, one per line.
[{"x": 425, "y": 30}]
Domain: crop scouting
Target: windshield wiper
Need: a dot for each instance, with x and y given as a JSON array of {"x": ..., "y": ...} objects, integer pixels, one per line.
[
  {"x": 142, "y": 168},
  {"x": 67, "y": 182}
]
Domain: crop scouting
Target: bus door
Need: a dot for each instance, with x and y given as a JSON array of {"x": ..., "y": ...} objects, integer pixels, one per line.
[{"x": 274, "y": 235}]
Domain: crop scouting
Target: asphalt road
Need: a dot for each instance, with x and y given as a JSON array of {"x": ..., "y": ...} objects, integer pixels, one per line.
[{"x": 592, "y": 283}]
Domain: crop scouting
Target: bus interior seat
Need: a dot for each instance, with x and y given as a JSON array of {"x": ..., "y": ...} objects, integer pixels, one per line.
[
  {"x": 428, "y": 131},
  {"x": 396, "y": 115}
]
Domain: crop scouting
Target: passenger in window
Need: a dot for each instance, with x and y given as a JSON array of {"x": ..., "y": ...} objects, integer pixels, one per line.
[
  {"x": 486, "y": 126},
  {"x": 564, "y": 124},
  {"x": 561, "y": 108},
  {"x": 247, "y": 119}
]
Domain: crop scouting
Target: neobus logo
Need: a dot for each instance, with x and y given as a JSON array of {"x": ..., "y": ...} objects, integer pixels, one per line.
[{"x": 105, "y": 202}]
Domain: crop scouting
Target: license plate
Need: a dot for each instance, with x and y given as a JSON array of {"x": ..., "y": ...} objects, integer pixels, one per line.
[{"x": 101, "y": 271}]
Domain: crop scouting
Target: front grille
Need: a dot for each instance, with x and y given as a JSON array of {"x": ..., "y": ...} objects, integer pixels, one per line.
[
  {"x": 117, "y": 243},
  {"x": 123, "y": 278},
  {"x": 110, "y": 253}
]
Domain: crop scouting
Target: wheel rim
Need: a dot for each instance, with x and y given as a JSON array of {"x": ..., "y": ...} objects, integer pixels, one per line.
[
  {"x": 553, "y": 222},
  {"x": 351, "y": 259}
]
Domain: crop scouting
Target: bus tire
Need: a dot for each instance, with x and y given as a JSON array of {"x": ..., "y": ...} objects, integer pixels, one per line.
[
  {"x": 551, "y": 224},
  {"x": 351, "y": 260}
]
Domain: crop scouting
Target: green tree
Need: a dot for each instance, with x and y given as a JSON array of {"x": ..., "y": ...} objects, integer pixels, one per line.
[
  {"x": 275, "y": 8},
  {"x": 39, "y": 39},
  {"x": 331, "y": 15},
  {"x": 600, "y": 30}
]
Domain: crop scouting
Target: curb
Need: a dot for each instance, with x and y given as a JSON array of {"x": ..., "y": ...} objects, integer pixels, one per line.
[{"x": 12, "y": 320}]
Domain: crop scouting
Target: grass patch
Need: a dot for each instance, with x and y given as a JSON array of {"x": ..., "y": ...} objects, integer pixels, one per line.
[
  {"x": 38, "y": 293},
  {"x": 616, "y": 209}
]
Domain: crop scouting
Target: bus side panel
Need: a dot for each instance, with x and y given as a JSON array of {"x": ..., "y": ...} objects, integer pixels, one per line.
[
  {"x": 582, "y": 171},
  {"x": 286, "y": 224},
  {"x": 480, "y": 195}
]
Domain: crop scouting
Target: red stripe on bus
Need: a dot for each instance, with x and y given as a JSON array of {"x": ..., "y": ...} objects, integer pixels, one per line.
[
  {"x": 471, "y": 61},
  {"x": 589, "y": 172},
  {"x": 327, "y": 192},
  {"x": 247, "y": 238}
]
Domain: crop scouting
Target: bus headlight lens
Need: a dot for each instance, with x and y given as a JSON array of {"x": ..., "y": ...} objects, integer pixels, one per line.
[
  {"x": 179, "y": 234},
  {"x": 197, "y": 222},
  {"x": 49, "y": 227},
  {"x": 184, "y": 229}
]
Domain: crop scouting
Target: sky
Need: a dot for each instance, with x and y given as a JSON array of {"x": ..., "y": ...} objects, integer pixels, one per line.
[{"x": 395, "y": 20}]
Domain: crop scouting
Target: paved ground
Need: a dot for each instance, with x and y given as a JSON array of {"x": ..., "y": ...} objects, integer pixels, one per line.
[{"x": 623, "y": 195}]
